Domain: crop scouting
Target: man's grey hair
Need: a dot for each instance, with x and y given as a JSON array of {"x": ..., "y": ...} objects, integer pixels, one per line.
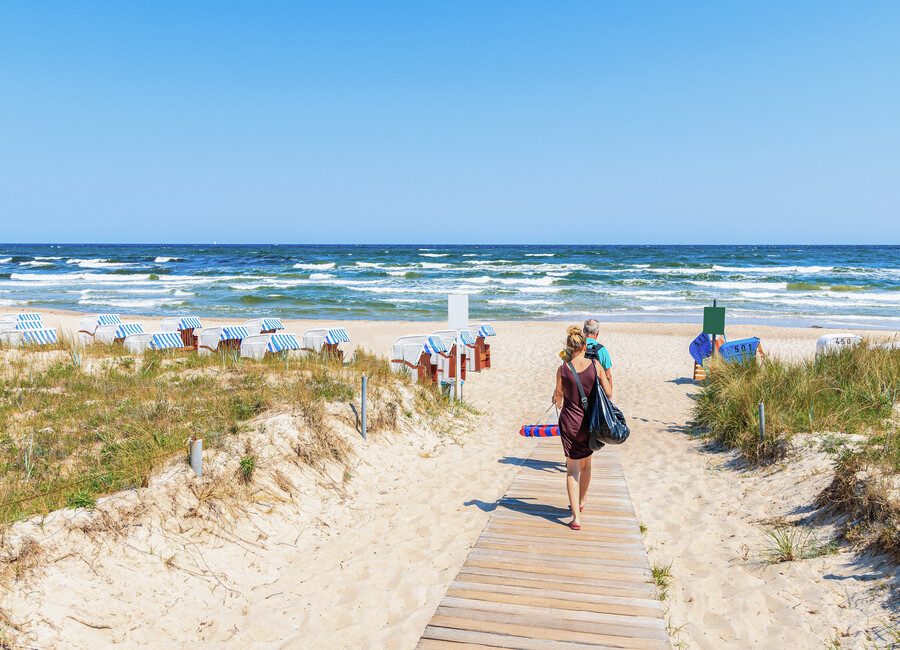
[{"x": 591, "y": 328}]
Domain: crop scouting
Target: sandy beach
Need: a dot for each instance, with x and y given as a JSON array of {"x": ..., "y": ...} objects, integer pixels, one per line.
[{"x": 366, "y": 565}]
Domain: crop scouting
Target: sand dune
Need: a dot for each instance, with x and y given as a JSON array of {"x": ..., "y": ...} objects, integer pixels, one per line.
[{"x": 367, "y": 568}]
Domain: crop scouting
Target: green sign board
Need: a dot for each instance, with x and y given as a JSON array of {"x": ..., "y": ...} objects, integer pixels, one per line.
[{"x": 714, "y": 320}]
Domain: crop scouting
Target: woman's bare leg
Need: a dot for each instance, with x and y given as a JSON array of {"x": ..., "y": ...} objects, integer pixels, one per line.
[
  {"x": 584, "y": 481},
  {"x": 573, "y": 471}
]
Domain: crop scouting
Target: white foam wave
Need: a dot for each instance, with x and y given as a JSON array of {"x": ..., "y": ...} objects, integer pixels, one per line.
[
  {"x": 5, "y": 260},
  {"x": 432, "y": 265},
  {"x": 163, "y": 260},
  {"x": 540, "y": 254},
  {"x": 511, "y": 301},
  {"x": 368, "y": 265},
  {"x": 739, "y": 285},
  {"x": 317, "y": 266},
  {"x": 129, "y": 303},
  {"x": 433, "y": 254},
  {"x": 46, "y": 257},
  {"x": 35, "y": 264},
  {"x": 321, "y": 276},
  {"x": 96, "y": 263},
  {"x": 773, "y": 270},
  {"x": 537, "y": 282},
  {"x": 539, "y": 289}
]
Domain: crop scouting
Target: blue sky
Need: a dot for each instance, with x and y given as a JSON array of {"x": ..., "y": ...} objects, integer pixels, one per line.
[{"x": 499, "y": 122}]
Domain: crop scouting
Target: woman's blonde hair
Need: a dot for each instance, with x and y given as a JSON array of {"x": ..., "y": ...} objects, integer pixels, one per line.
[{"x": 574, "y": 340}]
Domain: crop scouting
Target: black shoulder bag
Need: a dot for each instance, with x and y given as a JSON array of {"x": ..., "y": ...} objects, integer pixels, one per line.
[{"x": 606, "y": 423}]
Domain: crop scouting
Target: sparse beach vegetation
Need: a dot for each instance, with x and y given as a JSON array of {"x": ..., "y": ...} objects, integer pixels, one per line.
[
  {"x": 79, "y": 423},
  {"x": 849, "y": 399}
]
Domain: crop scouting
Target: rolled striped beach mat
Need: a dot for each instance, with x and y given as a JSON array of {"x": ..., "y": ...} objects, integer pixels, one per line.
[{"x": 539, "y": 430}]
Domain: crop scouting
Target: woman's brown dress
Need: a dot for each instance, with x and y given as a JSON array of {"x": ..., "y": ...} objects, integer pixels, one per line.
[{"x": 572, "y": 423}]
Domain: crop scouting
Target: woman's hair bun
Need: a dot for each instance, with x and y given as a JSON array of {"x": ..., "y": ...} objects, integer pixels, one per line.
[{"x": 575, "y": 339}]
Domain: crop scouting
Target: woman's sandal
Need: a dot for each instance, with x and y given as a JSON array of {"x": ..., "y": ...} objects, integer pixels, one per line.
[{"x": 574, "y": 526}]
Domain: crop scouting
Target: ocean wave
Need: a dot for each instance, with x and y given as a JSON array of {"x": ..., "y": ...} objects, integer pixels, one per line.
[
  {"x": 5, "y": 260},
  {"x": 433, "y": 254},
  {"x": 315, "y": 266},
  {"x": 96, "y": 263},
  {"x": 163, "y": 260},
  {"x": 368, "y": 265},
  {"x": 36, "y": 264},
  {"x": 773, "y": 270},
  {"x": 726, "y": 285},
  {"x": 129, "y": 303},
  {"x": 540, "y": 254},
  {"x": 321, "y": 276},
  {"x": 538, "y": 282},
  {"x": 432, "y": 265},
  {"x": 46, "y": 257}
]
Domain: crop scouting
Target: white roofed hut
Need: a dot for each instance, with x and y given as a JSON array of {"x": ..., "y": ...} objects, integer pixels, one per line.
[
  {"x": 325, "y": 341},
  {"x": 187, "y": 327},
  {"x": 836, "y": 342},
  {"x": 140, "y": 343},
  {"x": 219, "y": 339},
  {"x": 484, "y": 349},
  {"x": 19, "y": 333},
  {"x": 257, "y": 346},
  {"x": 414, "y": 353},
  {"x": 117, "y": 333},
  {"x": 446, "y": 361},
  {"x": 87, "y": 326},
  {"x": 263, "y": 326}
]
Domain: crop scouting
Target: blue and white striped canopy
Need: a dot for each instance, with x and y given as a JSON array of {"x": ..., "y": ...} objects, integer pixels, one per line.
[
  {"x": 29, "y": 317},
  {"x": 272, "y": 324},
  {"x": 466, "y": 337},
  {"x": 125, "y": 329},
  {"x": 189, "y": 323},
  {"x": 337, "y": 335},
  {"x": 282, "y": 342},
  {"x": 435, "y": 345},
  {"x": 108, "y": 319},
  {"x": 486, "y": 330},
  {"x": 40, "y": 337},
  {"x": 166, "y": 341},
  {"x": 29, "y": 325},
  {"x": 230, "y": 333}
]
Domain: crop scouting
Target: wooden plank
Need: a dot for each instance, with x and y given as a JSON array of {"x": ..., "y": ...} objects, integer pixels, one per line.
[
  {"x": 563, "y": 542},
  {"x": 556, "y": 600},
  {"x": 565, "y": 551},
  {"x": 578, "y": 585},
  {"x": 592, "y": 637},
  {"x": 492, "y": 640},
  {"x": 511, "y": 528},
  {"x": 552, "y": 622}
]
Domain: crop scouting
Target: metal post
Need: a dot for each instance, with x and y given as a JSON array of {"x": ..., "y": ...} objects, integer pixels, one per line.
[
  {"x": 714, "y": 336},
  {"x": 362, "y": 416},
  {"x": 762, "y": 422},
  {"x": 458, "y": 394},
  {"x": 197, "y": 456}
]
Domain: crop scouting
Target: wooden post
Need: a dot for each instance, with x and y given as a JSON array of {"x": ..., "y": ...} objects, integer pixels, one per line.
[
  {"x": 362, "y": 416},
  {"x": 762, "y": 422},
  {"x": 197, "y": 456}
]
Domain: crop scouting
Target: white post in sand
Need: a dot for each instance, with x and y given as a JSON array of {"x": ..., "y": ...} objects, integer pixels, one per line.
[
  {"x": 197, "y": 456},
  {"x": 458, "y": 319},
  {"x": 458, "y": 369}
]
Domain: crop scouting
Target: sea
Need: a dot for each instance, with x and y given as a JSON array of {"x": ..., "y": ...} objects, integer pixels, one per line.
[{"x": 844, "y": 286}]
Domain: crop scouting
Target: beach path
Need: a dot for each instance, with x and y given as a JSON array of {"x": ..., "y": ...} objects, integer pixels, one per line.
[{"x": 531, "y": 582}]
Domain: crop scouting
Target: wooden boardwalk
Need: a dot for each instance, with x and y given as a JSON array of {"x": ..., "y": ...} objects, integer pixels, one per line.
[{"x": 532, "y": 583}]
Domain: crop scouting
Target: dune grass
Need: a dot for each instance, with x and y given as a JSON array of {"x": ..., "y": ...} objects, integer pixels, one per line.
[
  {"x": 852, "y": 391},
  {"x": 78, "y": 423}
]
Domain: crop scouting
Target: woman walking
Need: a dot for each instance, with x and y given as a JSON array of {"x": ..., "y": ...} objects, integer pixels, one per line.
[{"x": 572, "y": 421}]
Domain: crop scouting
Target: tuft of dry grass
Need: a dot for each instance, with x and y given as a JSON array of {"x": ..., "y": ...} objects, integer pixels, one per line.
[
  {"x": 852, "y": 391},
  {"x": 27, "y": 557}
]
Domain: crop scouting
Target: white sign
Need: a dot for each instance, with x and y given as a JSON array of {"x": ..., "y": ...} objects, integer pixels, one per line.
[{"x": 458, "y": 311}]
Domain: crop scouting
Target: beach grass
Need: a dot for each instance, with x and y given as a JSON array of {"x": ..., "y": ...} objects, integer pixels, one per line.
[
  {"x": 849, "y": 398},
  {"x": 78, "y": 423},
  {"x": 852, "y": 391}
]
